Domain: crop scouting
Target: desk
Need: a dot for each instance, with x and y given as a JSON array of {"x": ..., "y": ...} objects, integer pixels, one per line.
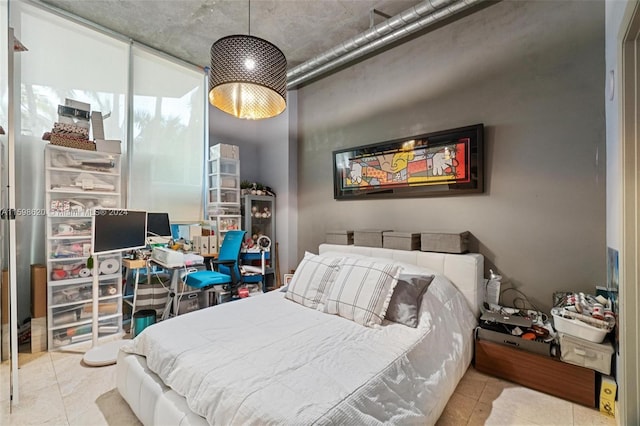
[
  {"x": 172, "y": 305},
  {"x": 172, "y": 301}
]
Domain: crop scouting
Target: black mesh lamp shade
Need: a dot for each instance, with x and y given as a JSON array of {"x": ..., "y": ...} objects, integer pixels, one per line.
[{"x": 248, "y": 77}]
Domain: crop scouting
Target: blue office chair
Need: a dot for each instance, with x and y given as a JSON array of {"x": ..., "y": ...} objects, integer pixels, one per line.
[{"x": 226, "y": 268}]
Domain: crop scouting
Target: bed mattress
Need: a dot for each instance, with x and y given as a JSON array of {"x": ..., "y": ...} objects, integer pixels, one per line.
[{"x": 268, "y": 360}]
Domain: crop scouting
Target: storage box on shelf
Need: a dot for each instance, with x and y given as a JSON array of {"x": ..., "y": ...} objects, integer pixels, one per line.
[
  {"x": 368, "y": 237},
  {"x": 445, "y": 242},
  {"x": 339, "y": 237},
  {"x": 77, "y": 182},
  {"x": 401, "y": 240}
]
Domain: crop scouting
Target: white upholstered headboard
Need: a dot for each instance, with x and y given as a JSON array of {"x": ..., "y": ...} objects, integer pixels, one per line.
[{"x": 466, "y": 271}]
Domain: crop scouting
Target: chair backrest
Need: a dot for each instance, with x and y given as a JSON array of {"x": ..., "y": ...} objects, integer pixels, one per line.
[{"x": 230, "y": 250}]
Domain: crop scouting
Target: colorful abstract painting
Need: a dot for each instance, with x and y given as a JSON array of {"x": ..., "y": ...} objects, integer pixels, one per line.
[
  {"x": 410, "y": 167},
  {"x": 419, "y": 162}
]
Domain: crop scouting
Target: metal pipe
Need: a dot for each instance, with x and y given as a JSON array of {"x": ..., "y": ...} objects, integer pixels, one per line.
[{"x": 383, "y": 34}]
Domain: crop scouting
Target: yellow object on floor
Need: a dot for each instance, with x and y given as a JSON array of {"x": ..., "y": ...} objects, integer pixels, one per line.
[{"x": 608, "y": 396}]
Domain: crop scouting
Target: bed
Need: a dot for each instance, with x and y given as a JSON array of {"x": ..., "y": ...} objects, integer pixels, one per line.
[{"x": 269, "y": 360}]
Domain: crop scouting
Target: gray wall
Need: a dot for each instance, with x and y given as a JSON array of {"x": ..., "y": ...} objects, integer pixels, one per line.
[
  {"x": 268, "y": 156},
  {"x": 533, "y": 73}
]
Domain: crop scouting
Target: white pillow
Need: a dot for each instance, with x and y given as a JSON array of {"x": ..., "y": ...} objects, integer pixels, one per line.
[
  {"x": 362, "y": 290},
  {"x": 313, "y": 277}
]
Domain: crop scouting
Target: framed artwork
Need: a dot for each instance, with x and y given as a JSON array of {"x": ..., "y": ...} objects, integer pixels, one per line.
[{"x": 448, "y": 162}]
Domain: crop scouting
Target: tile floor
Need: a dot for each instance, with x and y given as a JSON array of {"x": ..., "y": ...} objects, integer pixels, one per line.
[{"x": 56, "y": 389}]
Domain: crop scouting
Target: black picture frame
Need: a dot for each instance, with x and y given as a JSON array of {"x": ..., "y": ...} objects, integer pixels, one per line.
[{"x": 448, "y": 162}]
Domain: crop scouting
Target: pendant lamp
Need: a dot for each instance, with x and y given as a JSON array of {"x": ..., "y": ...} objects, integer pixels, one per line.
[{"x": 248, "y": 77}]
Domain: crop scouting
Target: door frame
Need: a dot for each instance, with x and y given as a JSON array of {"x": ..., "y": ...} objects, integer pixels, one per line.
[{"x": 629, "y": 103}]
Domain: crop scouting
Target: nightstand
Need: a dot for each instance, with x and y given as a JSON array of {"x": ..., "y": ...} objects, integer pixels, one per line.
[{"x": 539, "y": 372}]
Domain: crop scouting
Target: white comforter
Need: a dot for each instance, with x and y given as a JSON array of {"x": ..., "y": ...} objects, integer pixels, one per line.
[{"x": 268, "y": 360}]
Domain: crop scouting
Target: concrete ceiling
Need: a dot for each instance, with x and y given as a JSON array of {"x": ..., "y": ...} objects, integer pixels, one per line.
[{"x": 186, "y": 29}]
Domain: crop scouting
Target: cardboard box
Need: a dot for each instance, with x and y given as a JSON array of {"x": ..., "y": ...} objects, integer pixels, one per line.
[
  {"x": 401, "y": 240},
  {"x": 38, "y": 291},
  {"x": 38, "y": 334},
  {"x": 442, "y": 242},
  {"x": 368, "y": 237},
  {"x": 342, "y": 237},
  {"x": 608, "y": 390},
  {"x": 108, "y": 145}
]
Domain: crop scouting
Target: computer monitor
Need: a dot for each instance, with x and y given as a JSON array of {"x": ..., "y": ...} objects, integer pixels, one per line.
[
  {"x": 158, "y": 225},
  {"x": 117, "y": 230}
]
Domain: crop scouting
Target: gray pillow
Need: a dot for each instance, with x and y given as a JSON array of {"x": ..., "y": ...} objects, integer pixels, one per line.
[{"x": 407, "y": 296}]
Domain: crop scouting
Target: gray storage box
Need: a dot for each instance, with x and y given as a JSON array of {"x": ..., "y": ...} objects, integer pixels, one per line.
[
  {"x": 584, "y": 353},
  {"x": 368, "y": 237},
  {"x": 505, "y": 339},
  {"x": 339, "y": 237},
  {"x": 401, "y": 240},
  {"x": 445, "y": 242}
]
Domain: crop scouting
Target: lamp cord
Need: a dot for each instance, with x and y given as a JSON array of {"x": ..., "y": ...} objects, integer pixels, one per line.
[{"x": 249, "y": 19}]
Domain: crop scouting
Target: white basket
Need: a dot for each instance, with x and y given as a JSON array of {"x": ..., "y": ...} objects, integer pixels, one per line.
[{"x": 577, "y": 328}]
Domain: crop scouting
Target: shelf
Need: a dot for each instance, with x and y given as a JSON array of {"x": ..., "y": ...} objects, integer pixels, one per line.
[
  {"x": 70, "y": 237},
  {"x": 81, "y": 191},
  {"x": 62, "y": 259},
  {"x": 75, "y": 170},
  {"x": 89, "y": 279},
  {"x": 223, "y": 188},
  {"x": 87, "y": 321}
]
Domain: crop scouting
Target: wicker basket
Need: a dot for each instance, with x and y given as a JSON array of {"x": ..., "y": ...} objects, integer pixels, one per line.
[{"x": 70, "y": 142}]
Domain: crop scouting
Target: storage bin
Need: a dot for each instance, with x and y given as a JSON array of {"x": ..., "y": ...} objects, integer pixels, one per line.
[
  {"x": 596, "y": 356},
  {"x": 534, "y": 346},
  {"x": 368, "y": 237},
  {"x": 443, "y": 242},
  {"x": 401, "y": 240},
  {"x": 339, "y": 237},
  {"x": 142, "y": 319},
  {"x": 577, "y": 328}
]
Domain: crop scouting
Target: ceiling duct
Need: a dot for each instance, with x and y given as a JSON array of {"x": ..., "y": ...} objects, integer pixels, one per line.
[{"x": 393, "y": 29}]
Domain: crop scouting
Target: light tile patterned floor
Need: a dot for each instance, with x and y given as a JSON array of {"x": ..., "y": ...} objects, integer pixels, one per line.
[
  {"x": 56, "y": 389},
  {"x": 484, "y": 400}
]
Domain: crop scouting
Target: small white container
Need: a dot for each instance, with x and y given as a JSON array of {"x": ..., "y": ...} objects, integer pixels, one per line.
[{"x": 577, "y": 328}]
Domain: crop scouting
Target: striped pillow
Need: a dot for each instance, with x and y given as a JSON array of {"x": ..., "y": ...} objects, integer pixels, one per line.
[
  {"x": 362, "y": 290},
  {"x": 313, "y": 277}
]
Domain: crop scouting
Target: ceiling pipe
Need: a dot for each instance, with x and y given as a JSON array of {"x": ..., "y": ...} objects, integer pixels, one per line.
[{"x": 393, "y": 29}]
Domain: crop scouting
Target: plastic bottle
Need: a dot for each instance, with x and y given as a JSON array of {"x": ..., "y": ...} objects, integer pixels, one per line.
[{"x": 493, "y": 288}]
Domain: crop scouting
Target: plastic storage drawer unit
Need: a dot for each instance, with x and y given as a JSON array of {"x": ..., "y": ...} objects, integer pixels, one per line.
[{"x": 576, "y": 351}]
